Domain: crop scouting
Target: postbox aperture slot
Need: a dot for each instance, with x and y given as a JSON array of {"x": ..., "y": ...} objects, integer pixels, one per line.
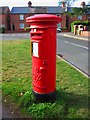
[{"x": 35, "y": 35}]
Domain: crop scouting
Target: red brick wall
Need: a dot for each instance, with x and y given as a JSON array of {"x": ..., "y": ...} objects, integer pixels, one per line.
[
  {"x": 85, "y": 33},
  {"x": 15, "y": 19},
  {"x": 74, "y": 18},
  {"x": 5, "y": 19},
  {"x": 63, "y": 23},
  {"x": 0, "y": 19},
  {"x": 84, "y": 17}
]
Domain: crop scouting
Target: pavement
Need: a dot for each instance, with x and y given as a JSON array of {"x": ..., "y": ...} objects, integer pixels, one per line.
[{"x": 71, "y": 35}]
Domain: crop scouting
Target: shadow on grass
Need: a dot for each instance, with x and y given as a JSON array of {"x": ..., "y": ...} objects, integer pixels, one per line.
[{"x": 72, "y": 100}]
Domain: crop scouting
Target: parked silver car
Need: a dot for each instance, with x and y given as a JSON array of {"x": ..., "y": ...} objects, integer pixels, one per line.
[{"x": 59, "y": 29}]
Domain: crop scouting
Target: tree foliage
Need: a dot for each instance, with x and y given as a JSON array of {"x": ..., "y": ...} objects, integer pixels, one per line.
[{"x": 79, "y": 11}]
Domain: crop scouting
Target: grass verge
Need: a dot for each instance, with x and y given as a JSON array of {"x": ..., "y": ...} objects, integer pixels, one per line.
[{"x": 72, "y": 86}]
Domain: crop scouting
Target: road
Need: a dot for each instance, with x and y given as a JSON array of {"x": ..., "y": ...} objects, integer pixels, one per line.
[
  {"x": 14, "y": 36},
  {"x": 75, "y": 51}
]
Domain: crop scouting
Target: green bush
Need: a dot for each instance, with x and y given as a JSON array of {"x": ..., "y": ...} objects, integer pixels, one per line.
[
  {"x": 2, "y": 29},
  {"x": 64, "y": 28},
  {"x": 27, "y": 28},
  {"x": 85, "y": 23}
]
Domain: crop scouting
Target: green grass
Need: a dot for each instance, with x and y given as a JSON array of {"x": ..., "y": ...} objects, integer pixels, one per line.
[{"x": 72, "y": 86}]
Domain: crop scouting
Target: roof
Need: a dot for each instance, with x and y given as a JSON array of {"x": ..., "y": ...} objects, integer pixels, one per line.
[
  {"x": 55, "y": 9},
  {"x": 34, "y": 9},
  {"x": 4, "y": 9},
  {"x": 17, "y": 10},
  {"x": 69, "y": 9},
  {"x": 38, "y": 9},
  {"x": 25, "y": 10},
  {"x": 87, "y": 5}
]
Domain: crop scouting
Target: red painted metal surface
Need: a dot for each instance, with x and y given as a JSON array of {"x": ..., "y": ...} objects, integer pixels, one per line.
[{"x": 43, "y": 40}]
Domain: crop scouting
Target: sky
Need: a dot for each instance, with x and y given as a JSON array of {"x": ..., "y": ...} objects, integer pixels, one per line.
[{"x": 14, "y": 3}]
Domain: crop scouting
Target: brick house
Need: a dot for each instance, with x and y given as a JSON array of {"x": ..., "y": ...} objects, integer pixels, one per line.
[
  {"x": 70, "y": 19},
  {"x": 15, "y": 20},
  {"x": 5, "y": 17},
  {"x": 59, "y": 12},
  {"x": 18, "y": 16}
]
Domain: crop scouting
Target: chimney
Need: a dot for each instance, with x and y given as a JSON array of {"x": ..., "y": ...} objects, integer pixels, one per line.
[
  {"x": 83, "y": 4},
  {"x": 30, "y": 4},
  {"x": 63, "y": 4}
]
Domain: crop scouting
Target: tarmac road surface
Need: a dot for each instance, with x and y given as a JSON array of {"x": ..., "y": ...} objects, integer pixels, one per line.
[
  {"x": 75, "y": 51},
  {"x": 14, "y": 36}
]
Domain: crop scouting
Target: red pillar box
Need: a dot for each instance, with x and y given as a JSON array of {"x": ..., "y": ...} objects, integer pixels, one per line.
[{"x": 43, "y": 49}]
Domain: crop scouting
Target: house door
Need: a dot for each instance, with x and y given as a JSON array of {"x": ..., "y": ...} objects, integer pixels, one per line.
[{"x": 13, "y": 27}]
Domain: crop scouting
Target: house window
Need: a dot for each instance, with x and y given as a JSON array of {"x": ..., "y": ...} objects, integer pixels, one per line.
[
  {"x": 21, "y": 25},
  {"x": 21, "y": 17},
  {"x": 79, "y": 17},
  {"x": 2, "y": 25}
]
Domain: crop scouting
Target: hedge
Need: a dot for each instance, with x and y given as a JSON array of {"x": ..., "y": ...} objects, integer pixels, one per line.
[
  {"x": 2, "y": 29},
  {"x": 85, "y": 23},
  {"x": 27, "y": 28}
]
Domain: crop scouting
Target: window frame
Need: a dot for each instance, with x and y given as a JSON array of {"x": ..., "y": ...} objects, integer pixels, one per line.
[
  {"x": 21, "y": 25},
  {"x": 21, "y": 16}
]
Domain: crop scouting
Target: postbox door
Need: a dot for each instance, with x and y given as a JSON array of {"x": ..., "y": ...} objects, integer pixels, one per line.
[{"x": 39, "y": 66}]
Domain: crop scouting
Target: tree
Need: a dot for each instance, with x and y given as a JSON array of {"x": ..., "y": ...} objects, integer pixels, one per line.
[{"x": 79, "y": 11}]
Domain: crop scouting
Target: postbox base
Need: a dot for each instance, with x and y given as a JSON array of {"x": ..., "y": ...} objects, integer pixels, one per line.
[{"x": 51, "y": 97}]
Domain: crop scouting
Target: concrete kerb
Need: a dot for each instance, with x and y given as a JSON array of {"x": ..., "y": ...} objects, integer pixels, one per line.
[
  {"x": 80, "y": 38},
  {"x": 73, "y": 66}
]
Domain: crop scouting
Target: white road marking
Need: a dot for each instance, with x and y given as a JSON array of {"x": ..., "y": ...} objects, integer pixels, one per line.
[
  {"x": 80, "y": 38},
  {"x": 76, "y": 45}
]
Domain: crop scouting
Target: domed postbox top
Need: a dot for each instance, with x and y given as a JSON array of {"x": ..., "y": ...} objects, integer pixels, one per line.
[{"x": 43, "y": 18}]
